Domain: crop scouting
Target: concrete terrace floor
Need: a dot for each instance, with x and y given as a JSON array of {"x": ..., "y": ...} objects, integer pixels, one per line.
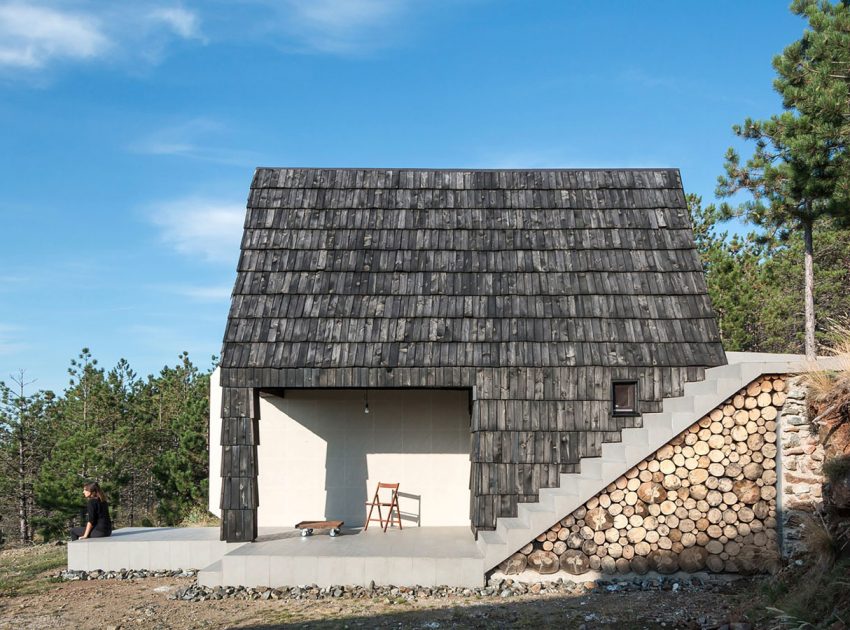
[
  {"x": 427, "y": 556},
  {"x": 431, "y": 542}
]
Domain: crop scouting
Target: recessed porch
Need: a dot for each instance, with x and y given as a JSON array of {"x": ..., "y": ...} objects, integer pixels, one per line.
[{"x": 322, "y": 452}]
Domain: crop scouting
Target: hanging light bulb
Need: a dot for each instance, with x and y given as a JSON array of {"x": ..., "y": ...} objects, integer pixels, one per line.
[{"x": 366, "y": 402}]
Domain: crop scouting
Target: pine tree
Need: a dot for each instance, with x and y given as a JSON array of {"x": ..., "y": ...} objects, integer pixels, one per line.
[
  {"x": 182, "y": 469},
  {"x": 732, "y": 271},
  {"x": 797, "y": 173},
  {"x": 78, "y": 455},
  {"x": 23, "y": 446},
  {"x": 756, "y": 284}
]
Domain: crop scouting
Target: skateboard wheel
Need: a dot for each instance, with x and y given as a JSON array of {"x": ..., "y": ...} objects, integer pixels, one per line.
[
  {"x": 306, "y": 532},
  {"x": 334, "y": 532}
]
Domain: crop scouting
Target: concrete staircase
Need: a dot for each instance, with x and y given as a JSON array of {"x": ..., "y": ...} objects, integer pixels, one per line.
[{"x": 617, "y": 458}]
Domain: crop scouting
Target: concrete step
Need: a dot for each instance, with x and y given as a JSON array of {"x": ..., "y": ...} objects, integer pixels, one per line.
[
  {"x": 537, "y": 515},
  {"x": 490, "y": 538},
  {"x": 689, "y": 404},
  {"x": 210, "y": 575}
]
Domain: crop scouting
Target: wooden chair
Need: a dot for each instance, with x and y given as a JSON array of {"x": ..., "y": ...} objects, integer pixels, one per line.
[{"x": 378, "y": 502}]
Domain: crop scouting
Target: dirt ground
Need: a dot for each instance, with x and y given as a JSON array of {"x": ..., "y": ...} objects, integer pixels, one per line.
[{"x": 144, "y": 603}]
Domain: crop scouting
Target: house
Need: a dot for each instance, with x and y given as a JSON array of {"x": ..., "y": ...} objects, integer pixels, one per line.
[
  {"x": 531, "y": 354},
  {"x": 497, "y": 325}
]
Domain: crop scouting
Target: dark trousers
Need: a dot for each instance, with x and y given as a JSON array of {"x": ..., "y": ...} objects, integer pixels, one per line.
[{"x": 76, "y": 532}]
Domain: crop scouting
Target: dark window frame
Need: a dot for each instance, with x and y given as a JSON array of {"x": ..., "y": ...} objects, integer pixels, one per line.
[{"x": 620, "y": 413}]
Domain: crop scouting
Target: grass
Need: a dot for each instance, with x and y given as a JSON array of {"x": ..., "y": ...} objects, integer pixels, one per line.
[
  {"x": 815, "y": 598},
  {"x": 821, "y": 541},
  {"x": 826, "y": 385},
  {"x": 199, "y": 516},
  {"x": 27, "y": 570},
  {"x": 837, "y": 469}
]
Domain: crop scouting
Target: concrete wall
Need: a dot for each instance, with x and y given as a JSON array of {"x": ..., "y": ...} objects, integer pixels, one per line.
[
  {"x": 321, "y": 456},
  {"x": 215, "y": 442}
]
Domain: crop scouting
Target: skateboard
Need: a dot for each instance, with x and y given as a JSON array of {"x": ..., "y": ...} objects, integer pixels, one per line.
[{"x": 307, "y": 527}]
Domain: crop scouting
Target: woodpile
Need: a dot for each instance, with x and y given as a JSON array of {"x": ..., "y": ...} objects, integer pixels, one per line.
[{"x": 704, "y": 501}]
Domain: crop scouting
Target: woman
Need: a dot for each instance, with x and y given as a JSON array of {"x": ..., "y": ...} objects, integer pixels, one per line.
[{"x": 98, "y": 524}]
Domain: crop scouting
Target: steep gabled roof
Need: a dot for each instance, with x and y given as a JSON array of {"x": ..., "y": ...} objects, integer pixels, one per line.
[{"x": 386, "y": 268}]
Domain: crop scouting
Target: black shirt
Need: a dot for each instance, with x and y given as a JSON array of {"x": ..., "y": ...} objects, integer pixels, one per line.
[{"x": 97, "y": 513}]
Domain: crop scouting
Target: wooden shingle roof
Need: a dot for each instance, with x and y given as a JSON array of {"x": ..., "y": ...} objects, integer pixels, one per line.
[{"x": 387, "y": 268}]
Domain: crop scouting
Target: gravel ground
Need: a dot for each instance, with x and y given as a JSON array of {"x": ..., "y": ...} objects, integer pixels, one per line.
[{"x": 158, "y": 602}]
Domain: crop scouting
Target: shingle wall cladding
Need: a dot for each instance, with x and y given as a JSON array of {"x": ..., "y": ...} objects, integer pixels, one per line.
[{"x": 535, "y": 288}]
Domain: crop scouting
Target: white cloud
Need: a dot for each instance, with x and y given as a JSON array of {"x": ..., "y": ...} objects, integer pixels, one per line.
[
  {"x": 184, "y": 23},
  {"x": 35, "y": 36},
  {"x": 9, "y": 342},
  {"x": 199, "y": 226},
  {"x": 10, "y": 281},
  {"x": 341, "y": 25},
  {"x": 333, "y": 26},
  {"x": 31, "y": 36},
  {"x": 194, "y": 139},
  {"x": 219, "y": 293}
]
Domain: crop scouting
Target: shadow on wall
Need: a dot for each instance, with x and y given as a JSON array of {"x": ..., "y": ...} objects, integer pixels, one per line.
[
  {"x": 328, "y": 446},
  {"x": 405, "y": 498}
]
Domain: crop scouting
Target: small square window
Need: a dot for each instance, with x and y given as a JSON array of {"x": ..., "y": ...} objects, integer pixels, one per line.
[{"x": 624, "y": 398}]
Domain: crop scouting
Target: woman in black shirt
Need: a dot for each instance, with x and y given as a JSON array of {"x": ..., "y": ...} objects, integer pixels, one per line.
[{"x": 98, "y": 524}]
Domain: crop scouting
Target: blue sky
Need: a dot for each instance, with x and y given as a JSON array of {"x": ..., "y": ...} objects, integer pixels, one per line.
[{"x": 129, "y": 131}]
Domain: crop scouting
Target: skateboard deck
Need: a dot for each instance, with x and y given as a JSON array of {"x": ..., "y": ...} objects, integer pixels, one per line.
[{"x": 307, "y": 527}]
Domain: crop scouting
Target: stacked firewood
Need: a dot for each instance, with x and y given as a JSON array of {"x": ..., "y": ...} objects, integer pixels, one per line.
[{"x": 705, "y": 500}]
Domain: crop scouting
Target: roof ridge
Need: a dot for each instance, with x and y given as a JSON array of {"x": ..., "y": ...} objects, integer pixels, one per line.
[{"x": 468, "y": 170}]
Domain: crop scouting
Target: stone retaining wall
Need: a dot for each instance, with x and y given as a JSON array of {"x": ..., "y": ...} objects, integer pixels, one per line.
[
  {"x": 705, "y": 500},
  {"x": 801, "y": 460}
]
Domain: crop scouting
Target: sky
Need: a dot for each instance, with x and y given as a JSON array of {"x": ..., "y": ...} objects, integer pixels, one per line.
[{"x": 129, "y": 132}]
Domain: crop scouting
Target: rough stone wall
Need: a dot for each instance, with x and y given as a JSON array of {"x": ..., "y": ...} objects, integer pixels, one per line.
[
  {"x": 705, "y": 500},
  {"x": 801, "y": 460}
]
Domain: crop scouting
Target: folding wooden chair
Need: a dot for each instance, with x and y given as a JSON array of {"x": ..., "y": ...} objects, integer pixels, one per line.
[{"x": 377, "y": 502}]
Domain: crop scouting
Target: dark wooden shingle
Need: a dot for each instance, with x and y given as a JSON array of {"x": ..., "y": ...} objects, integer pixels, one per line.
[{"x": 533, "y": 288}]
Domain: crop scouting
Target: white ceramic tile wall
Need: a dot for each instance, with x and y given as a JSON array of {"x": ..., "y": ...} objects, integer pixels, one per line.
[{"x": 320, "y": 455}]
